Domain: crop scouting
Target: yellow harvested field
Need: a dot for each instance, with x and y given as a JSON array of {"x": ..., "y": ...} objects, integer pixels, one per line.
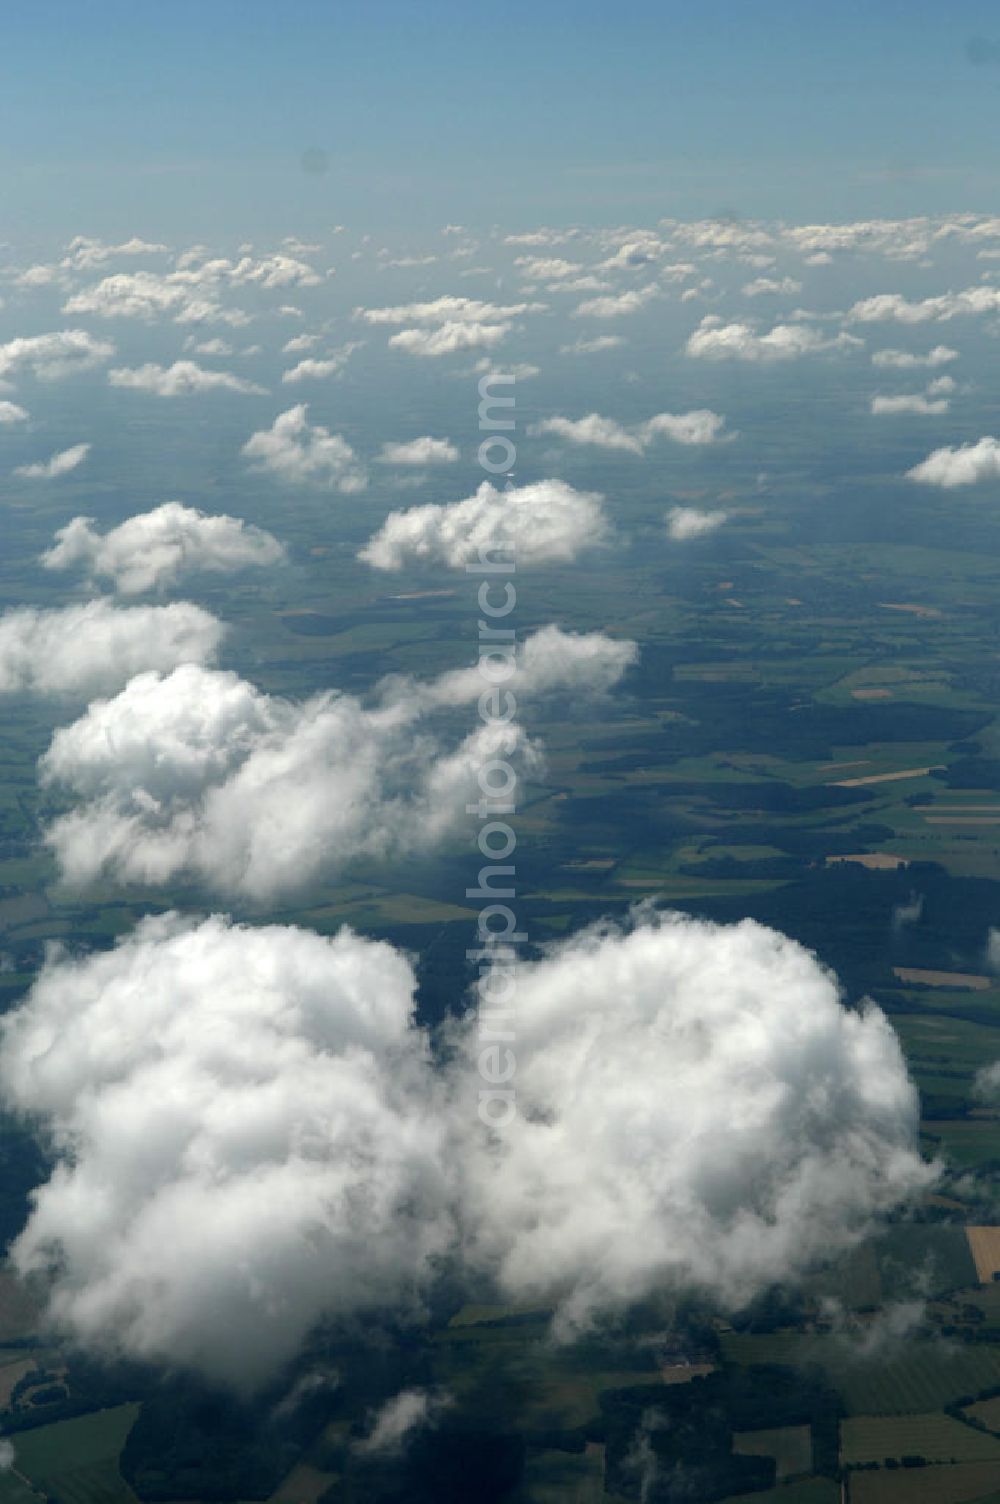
[
  {"x": 876, "y": 861},
  {"x": 856, "y": 783},
  {"x": 984, "y": 1245},
  {"x": 962, "y": 819},
  {"x": 987, "y": 1412},
  {"x": 963, "y": 809},
  {"x": 304, "y": 1485},
  {"x": 926, "y": 1485},
  {"x": 963, "y": 979},
  {"x": 923, "y": 611},
  {"x": 683, "y": 1373}
]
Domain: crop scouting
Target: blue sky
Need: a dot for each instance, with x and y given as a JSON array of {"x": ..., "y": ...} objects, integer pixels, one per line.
[{"x": 123, "y": 116}]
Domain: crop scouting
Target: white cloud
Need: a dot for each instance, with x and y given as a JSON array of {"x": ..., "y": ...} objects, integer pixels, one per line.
[
  {"x": 690, "y": 522},
  {"x": 422, "y": 451},
  {"x": 893, "y": 306},
  {"x": 155, "y": 549},
  {"x": 10, "y": 412},
  {"x": 306, "y": 454},
  {"x": 246, "y": 1141},
  {"x": 81, "y": 651},
  {"x": 410, "y": 1410},
  {"x": 449, "y": 338},
  {"x": 58, "y": 464},
  {"x": 447, "y": 310},
  {"x": 701, "y": 426},
  {"x": 593, "y": 346},
  {"x": 909, "y": 404},
  {"x": 716, "y": 340},
  {"x": 148, "y": 296},
  {"x": 965, "y": 466},
  {"x": 545, "y": 522},
  {"x": 299, "y": 343},
  {"x": 695, "y": 1109},
  {"x": 616, "y": 304},
  {"x": 49, "y": 357},
  {"x": 183, "y": 379},
  {"x": 904, "y": 360},
  {"x": 547, "y": 268},
  {"x": 318, "y": 368},
  {"x": 766, "y": 286},
  {"x": 199, "y": 774}
]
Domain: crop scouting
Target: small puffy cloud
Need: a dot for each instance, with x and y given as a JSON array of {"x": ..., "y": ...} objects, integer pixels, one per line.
[
  {"x": 545, "y": 522},
  {"x": 701, "y": 426},
  {"x": 409, "y": 1411},
  {"x": 185, "y": 378},
  {"x": 684, "y": 523},
  {"x": 299, "y": 343},
  {"x": 245, "y": 1140},
  {"x": 448, "y": 338},
  {"x": 320, "y": 368},
  {"x": 447, "y": 310},
  {"x": 50, "y": 357},
  {"x": 199, "y": 773},
  {"x": 615, "y": 305},
  {"x": 10, "y": 412},
  {"x": 771, "y": 286},
  {"x": 584, "y": 346},
  {"x": 58, "y": 464},
  {"x": 905, "y": 360},
  {"x": 306, "y": 454},
  {"x": 84, "y": 252},
  {"x": 696, "y": 1109},
  {"x": 716, "y": 340},
  {"x": 914, "y": 404},
  {"x": 422, "y": 451},
  {"x": 547, "y": 268},
  {"x": 893, "y": 307},
  {"x": 966, "y": 465},
  {"x": 155, "y": 549},
  {"x": 149, "y": 295},
  {"x": 81, "y": 651},
  {"x": 632, "y": 255}
]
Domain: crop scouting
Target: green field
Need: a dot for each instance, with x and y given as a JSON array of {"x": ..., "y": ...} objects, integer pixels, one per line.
[{"x": 76, "y": 1461}]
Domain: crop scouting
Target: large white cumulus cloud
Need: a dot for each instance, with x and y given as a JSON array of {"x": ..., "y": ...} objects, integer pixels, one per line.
[
  {"x": 246, "y": 1139},
  {"x": 153, "y": 549},
  {"x": 695, "y": 1108},
  {"x": 94, "y": 649},
  {"x": 966, "y": 465},
  {"x": 250, "y": 1135},
  {"x": 199, "y": 773},
  {"x": 545, "y": 522}
]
